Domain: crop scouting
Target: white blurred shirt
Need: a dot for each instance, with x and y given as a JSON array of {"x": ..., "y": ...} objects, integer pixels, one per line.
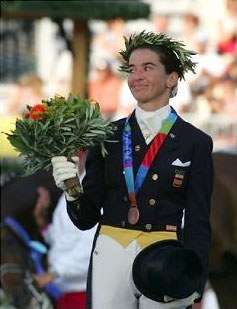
[{"x": 69, "y": 251}]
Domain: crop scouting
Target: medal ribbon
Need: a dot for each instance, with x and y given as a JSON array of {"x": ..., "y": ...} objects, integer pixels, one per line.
[{"x": 134, "y": 186}]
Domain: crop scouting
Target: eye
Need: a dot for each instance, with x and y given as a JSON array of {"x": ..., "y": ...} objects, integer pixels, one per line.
[
  {"x": 130, "y": 70},
  {"x": 147, "y": 67}
]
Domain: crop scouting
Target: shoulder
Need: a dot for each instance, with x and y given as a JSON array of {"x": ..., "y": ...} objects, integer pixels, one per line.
[
  {"x": 118, "y": 126},
  {"x": 194, "y": 133}
]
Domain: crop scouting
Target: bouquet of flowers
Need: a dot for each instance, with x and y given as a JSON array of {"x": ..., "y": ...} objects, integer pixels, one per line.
[{"x": 58, "y": 127}]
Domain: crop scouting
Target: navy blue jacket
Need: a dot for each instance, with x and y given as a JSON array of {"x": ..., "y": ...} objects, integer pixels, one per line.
[{"x": 161, "y": 201}]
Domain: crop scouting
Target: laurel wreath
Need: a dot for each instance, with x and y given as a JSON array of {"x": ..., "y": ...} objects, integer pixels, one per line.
[{"x": 150, "y": 38}]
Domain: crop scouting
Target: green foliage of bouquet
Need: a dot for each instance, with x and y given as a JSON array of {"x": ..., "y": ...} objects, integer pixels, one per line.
[{"x": 58, "y": 127}]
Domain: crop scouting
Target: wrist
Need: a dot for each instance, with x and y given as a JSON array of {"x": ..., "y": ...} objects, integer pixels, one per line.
[
  {"x": 70, "y": 198},
  {"x": 74, "y": 190}
]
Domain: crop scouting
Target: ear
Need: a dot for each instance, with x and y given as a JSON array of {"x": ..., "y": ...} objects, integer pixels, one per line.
[{"x": 172, "y": 80}]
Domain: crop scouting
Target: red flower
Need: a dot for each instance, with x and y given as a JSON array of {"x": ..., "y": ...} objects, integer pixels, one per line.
[{"x": 37, "y": 112}]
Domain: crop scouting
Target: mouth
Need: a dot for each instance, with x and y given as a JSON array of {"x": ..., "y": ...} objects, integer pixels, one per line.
[{"x": 139, "y": 87}]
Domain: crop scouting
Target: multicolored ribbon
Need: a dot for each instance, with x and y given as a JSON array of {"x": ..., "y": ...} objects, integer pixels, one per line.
[{"x": 134, "y": 186}]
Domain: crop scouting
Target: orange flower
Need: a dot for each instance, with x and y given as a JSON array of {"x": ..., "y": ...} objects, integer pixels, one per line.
[{"x": 37, "y": 112}]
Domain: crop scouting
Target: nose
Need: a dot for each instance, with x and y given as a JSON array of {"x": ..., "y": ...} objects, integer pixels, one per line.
[{"x": 138, "y": 75}]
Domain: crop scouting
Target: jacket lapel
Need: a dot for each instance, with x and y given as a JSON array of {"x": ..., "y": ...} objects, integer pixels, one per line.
[{"x": 173, "y": 139}]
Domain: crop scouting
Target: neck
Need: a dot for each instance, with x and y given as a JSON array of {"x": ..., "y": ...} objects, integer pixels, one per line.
[{"x": 151, "y": 106}]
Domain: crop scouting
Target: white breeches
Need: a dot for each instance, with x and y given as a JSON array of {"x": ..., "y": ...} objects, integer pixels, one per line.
[{"x": 112, "y": 283}]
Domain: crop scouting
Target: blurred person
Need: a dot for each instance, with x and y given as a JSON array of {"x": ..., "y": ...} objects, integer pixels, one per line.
[
  {"x": 231, "y": 70},
  {"x": 225, "y": 90},
  {"x": 208, "y": 61},
  {"x": 159, "y": 166},
  {"x": 68, "y": 258},
  {"x": 227, "y": 29},
  {"x": 164, "y": 24},
  {"x": 230, "y": 90},
  {"x": 216, "y": 105},
  {"x": 191, "y": 30},
  {"x": 216, "y": 110},
  {"x": 108, "y": 42},
  {"x": 195, "y": 38},
  {"x": 68, "y": 254},
  {"x": 207, "y": 105},
  {"x": 29, "y": 90},
  {"x": 160, "y": 23},
  {"x": 105, "y": 88},
  {"x": 22, "y": 247},
  {"x": 210, "y": 67}
]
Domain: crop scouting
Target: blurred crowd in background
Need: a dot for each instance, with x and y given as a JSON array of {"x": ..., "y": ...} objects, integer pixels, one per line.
[{"x": 207, "y": 99}]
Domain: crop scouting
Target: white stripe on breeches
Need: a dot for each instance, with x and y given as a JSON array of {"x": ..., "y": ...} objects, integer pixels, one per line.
[{"x": 112, "y": 283}]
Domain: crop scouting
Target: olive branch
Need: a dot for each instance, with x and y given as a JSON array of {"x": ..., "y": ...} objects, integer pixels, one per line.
[{"x": 66, "y": 127}]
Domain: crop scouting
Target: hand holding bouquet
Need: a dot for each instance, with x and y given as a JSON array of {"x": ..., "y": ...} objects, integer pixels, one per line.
[{"x": 58, "y": 127}]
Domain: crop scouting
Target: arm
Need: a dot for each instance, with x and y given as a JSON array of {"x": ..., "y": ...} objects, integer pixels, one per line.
[
  {"x": 197, "y": 229},
  {"x": 85, "y": 212}
]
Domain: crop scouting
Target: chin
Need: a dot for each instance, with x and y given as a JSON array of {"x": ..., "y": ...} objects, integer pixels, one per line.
[
  {"x": 142, "y": 101},
  {"x": 140, "y": 97}
]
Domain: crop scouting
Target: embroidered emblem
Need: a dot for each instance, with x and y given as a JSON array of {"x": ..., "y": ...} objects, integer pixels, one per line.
[{"x": 178, "y": 178}]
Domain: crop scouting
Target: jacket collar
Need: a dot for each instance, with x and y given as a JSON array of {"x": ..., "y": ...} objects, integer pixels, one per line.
[{"x": 172, "y": 141}]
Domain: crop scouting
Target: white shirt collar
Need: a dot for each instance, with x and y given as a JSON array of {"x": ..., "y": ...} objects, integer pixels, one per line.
[
  {"x": 161, "y": 113},
  {"x": 150, "y": 122}
]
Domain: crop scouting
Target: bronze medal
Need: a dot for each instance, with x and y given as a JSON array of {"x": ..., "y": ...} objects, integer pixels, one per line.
[{"x": 133, "y": 215}]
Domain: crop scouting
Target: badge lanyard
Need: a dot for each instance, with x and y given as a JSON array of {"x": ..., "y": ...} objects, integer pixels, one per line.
[{"x": 134, "y": 185}]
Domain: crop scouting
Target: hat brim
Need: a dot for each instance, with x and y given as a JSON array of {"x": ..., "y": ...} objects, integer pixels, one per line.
[{"x": 167, "y": 268}]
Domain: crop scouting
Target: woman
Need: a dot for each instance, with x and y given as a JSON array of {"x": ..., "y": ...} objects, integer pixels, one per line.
[{"x": 159, "y": 167}]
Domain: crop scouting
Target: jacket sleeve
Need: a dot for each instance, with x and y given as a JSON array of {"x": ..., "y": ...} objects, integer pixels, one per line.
[
  {"x": 197, "y": 228},
  {"x": 85, "y": 212}
]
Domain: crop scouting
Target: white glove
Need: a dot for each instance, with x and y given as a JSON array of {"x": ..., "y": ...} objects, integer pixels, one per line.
[
  {"x": 63, "y": 170},
  {"x": 184, "y": 302}
]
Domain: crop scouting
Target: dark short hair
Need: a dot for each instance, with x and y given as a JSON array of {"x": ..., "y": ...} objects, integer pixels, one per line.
[{"x": 167, "y": 57}]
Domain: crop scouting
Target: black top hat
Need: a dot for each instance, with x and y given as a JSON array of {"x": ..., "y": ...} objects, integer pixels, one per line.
[{"x": 167, "y": 268}]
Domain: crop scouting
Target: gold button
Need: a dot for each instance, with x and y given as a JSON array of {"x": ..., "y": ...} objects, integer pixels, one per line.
[
  {"x": 137, "y": 148},
  {"x": 152, "y": 201},
  {"x": 155, "y": 176},
  {"x": 148, "y": 226}
]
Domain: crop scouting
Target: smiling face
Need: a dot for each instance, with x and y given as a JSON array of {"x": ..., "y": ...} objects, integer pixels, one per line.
[{"x": 148, "y": 80}]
